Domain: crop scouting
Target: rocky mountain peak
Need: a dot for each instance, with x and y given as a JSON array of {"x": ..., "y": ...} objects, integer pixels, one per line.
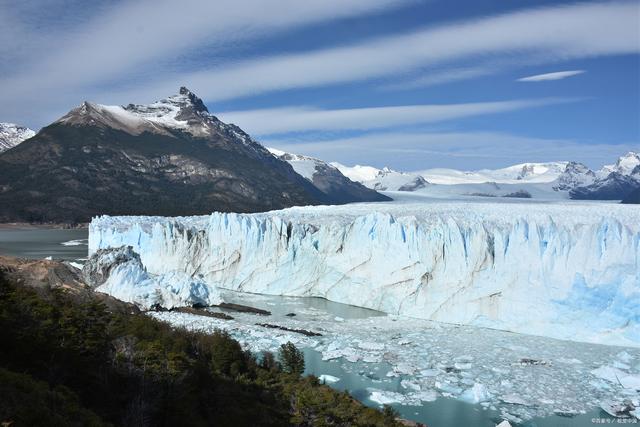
[
  {"x": 628, "y": 162},
  {"x": 195, "y": 102},
  {"x": 574, "y": 175}
]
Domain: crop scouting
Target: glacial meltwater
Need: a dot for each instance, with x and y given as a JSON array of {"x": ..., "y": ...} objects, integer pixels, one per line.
[{"x": 439, "y": 374}]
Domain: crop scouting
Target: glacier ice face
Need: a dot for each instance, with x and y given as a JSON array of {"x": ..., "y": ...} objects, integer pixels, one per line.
[
  {"x": 120, "y": 273},
  {"x": 558, "y": 270}
]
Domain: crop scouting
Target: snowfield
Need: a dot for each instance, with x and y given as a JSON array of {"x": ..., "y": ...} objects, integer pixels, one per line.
[{"x": 568, "y": 271}]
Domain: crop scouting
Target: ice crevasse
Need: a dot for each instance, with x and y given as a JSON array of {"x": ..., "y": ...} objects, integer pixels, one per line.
[{"x": 568, "y": 272}]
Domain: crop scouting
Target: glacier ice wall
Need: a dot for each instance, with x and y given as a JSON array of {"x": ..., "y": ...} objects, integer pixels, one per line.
[{"x": 569, "y": 272}]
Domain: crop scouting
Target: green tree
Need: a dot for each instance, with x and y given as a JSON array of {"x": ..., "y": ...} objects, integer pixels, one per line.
[
  {"x": 389, "y": 413},
  {"x": 292, "y": 358}
]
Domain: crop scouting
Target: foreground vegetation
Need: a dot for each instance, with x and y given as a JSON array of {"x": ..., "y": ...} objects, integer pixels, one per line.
[{"x": 70, "y": 362}]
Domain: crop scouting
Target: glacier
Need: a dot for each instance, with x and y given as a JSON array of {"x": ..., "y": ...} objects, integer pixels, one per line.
[{"x": 567, "y": 271}]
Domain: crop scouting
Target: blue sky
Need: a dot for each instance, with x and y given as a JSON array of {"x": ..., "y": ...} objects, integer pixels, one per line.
[{"x": 410, "y": 84}]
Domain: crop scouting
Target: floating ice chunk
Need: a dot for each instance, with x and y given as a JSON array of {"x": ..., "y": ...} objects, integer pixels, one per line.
[
  {"x": 367, "y": 345},
  {"x": 571, "y": 361},
  {"x": 328, "y": 379},
  {"x": 448, "y": 388},
  {"x": 412, "y": 385},
  {"x": 511, "y": 417},
  {"x": 462, "y": 366},
  {"x": 514, "y": 399},
  {"x": 620, "y": 365},
  {"x": 476, "y": 394},
  {"x": 425, "y": 395},
  {"x": 609, "y": 373},
  {"x": 49, "y": 258},
  {"x": 630, "y": 381},
  {"x": 504, "y": 423},
  {"x": 625, "y": 357},
  {"x": 385, "y": 397},
  {"x": 429, "y": 372},
  {"x": 338, "y": 319},
  {"x": 404, "y": 369},
  {"x": 371, "y": 358},
  {"x": 78, "y": 242}
]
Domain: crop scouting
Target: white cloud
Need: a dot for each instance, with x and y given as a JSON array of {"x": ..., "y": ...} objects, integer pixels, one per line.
[
  {"x": 127, "y": 39},
  {"x": 431, "y": 78},
  {"x": 461, "y": 150},
  {"x": 557, "y": 33},
  {"x": 295, "y": 119},
  {"x": 558, "y": 75}
]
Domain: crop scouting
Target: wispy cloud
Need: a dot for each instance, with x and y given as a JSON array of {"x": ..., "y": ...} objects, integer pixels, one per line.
[
  {"x": 461, "y": 150},
  {"x": 431, "y": 78},
  {"x": 558, "y": 75},
  {"x": 555, "y": 33},
  {"x": 130, "y": 39},
  {"x": 295, "y": 119}
]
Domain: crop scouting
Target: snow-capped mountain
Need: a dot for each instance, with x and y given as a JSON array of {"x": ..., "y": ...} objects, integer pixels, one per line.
[
  {"x": 550, "y": 180},
  {"x": 328, "y": 178},
  {"x": 171, "y": 157},
  {"x": 612, "y": 182},
  {"x": 12, "y": 135},
  {"x": 384, "y": 179},
  {"x": 575, "y": 175},
  {"x": 623, "y": 166},
  {"x": 357, "y": 173}
]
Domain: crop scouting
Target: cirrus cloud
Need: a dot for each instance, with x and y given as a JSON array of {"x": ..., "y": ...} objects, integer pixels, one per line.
[{"x": 558, "y": 75}]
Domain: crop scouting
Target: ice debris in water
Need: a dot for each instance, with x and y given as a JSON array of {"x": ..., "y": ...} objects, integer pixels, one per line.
[
  {"x": 328, "y": 379},
  {"x": 414, "y": 361}
]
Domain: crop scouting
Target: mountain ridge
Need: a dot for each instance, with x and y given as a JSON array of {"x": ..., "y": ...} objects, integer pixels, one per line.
[
  {"x": 171, "y": 157},
  {"x": 565, "y": 179}
]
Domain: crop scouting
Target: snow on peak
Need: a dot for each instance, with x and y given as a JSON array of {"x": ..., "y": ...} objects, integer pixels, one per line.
[
  {"x": 625, "y": 164},
  {"x": 526, "y": 172},
  {"x": 357, "y": 173},
  {"x": 12, "y": 135},
  {"x": 183, "y": 111},
  {"x": 303, "y": 165},
  {"x": 575, "y": 175}
]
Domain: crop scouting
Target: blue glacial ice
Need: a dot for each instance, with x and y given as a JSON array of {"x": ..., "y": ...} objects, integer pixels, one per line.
[{"x": 568, "y": 271}]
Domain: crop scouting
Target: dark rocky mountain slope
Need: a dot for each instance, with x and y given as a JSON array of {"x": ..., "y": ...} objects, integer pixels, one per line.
[
  {"x": 329, "y": 179},
  {"x": 171, "y": 157}
]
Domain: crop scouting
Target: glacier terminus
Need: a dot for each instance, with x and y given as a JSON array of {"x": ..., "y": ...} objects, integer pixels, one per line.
[{"x": 562, "y": 270}]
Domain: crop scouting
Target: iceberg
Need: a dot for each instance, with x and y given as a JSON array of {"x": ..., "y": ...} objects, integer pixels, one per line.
[{"x": 550, "y": 269}]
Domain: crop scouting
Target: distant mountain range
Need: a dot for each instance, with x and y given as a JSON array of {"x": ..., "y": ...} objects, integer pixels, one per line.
[
  {"x": 555, "y": 180},
  {"x": 171, "y": 157}
]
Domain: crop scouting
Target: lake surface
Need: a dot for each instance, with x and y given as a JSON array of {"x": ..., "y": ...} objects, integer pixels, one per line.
[
  {"x": 68, "y": 245},
  {"x": 359, "y": 377}
]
